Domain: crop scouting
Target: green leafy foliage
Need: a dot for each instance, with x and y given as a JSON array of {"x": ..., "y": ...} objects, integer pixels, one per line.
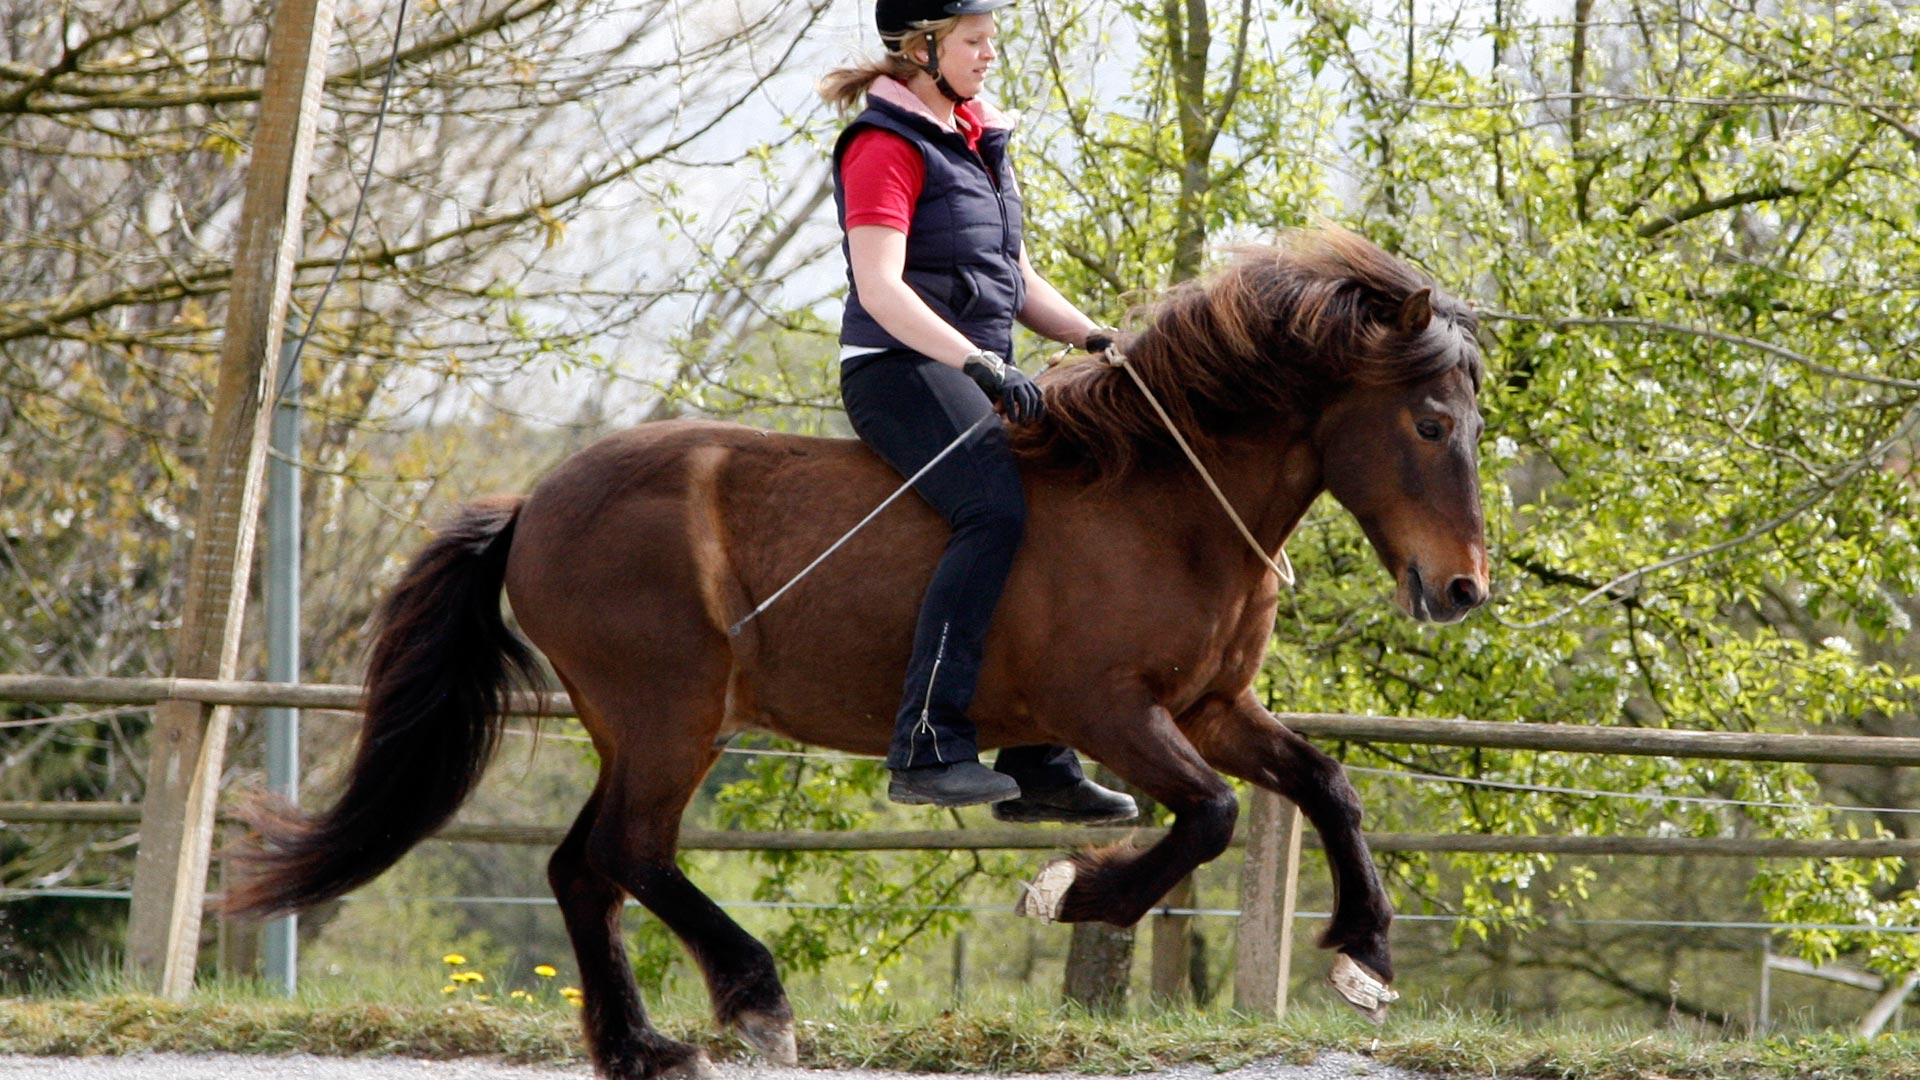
[
  {"x": 871, "y": 906},
  {"x": 1700, "y": 416},
  {"x": 1690, "y": 231}
]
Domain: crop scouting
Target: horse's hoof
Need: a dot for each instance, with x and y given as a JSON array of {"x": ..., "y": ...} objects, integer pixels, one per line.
[
  {"x": 1047, "y": 892},
  {"x": 771, "y": 1037},
  {"x": 1361, "y": 988},
  {"x": 696, "y": 1067}
]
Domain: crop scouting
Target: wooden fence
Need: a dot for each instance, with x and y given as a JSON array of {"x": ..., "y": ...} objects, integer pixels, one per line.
[{"x": 1270, "y": 830}]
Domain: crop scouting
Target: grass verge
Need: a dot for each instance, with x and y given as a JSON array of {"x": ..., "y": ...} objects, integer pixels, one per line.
[{"x": 982, "y": 1040}]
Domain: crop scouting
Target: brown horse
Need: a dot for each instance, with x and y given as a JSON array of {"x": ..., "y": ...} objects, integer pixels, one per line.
[{"x": 1133, "y": 626}]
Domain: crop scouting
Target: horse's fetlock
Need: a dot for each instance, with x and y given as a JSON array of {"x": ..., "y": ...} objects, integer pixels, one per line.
[{"x": 750, "y": 994}]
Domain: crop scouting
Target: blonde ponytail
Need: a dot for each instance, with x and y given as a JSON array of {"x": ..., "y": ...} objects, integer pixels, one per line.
[{"x": 846, "y": 88}]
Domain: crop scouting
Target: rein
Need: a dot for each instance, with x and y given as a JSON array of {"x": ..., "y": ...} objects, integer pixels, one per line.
[
  {"x": 1112, "y": 357},
  {"x": 1283, "y": 568},
  {"x": 734, "y": 630}
]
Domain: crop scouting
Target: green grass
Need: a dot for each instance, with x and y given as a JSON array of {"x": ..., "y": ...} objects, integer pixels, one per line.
[{"x": 994, "y": 1037}]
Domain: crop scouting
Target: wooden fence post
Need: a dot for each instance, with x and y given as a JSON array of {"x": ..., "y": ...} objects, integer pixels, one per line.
[
  {"x": 188, "y": 744},
  {"x": 1172, "y": 968},
  {"x": 1887, "y": 1005},
  {"x": 1268, "y": 884}
]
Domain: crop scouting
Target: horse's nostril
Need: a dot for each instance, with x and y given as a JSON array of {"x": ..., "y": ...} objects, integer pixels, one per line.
[{"x": 1465, "y": 592}]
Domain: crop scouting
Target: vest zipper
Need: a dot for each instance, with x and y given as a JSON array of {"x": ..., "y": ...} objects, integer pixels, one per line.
[{"x": 999, "y": 193}]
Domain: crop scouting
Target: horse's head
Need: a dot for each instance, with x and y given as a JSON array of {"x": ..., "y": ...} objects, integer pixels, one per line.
[
  {"x": 1401, "y": 453},
  {"x": 1329, "y": 327}
]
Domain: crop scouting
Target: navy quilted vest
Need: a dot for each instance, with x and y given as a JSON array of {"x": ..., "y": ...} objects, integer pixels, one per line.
[{"x": 963, "y": 248}]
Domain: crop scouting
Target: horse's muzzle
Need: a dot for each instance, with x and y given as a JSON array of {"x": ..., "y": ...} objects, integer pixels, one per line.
[{"x": 1449, "y": 603}]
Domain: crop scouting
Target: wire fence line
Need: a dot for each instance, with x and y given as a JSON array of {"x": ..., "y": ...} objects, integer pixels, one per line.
[
  {"x": 1636, "y": 796},
  {"x": 133, "y": 694},
  {"x": 76, "y": 718},
  {"x": 1262, "y": 905}
]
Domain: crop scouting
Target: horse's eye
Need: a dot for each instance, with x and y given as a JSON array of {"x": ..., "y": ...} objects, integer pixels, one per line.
[{"x": 1430, "y": 429}]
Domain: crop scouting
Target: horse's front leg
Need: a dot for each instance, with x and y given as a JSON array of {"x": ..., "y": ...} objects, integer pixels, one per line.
[
  {"x": 1240, "y": 737},
  {"x": 1139, "y": 740}
]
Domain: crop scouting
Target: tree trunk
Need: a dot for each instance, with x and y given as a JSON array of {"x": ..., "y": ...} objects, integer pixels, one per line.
[
  {"x": 1173, "y": 948},
  {"x": 1100, "y": 958},
  {"x": 1098, "y": 964}
]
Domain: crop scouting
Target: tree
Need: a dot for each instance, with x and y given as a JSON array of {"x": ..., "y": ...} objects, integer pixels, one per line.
[
  {"x": 1691, "y": 231},
  {"x": 122, "y": 128},
  {"x": 1690, "y": 236}
]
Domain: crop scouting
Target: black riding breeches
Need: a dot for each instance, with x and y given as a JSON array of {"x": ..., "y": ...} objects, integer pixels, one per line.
[{"x": 909, "y": 408}]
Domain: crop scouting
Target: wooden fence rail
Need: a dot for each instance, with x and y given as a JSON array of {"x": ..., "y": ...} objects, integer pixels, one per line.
[
  {"x": 1032, "y": 838},
  {"x": 1485, "y": 734},
  {"x": 1273, "y": 840}
]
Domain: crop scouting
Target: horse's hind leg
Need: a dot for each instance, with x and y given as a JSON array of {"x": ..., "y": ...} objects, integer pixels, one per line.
[
  {"x": 1241, "y": 738},
  {"x": 648, "y": 785},
  {"x": 620, "y": 1040}
]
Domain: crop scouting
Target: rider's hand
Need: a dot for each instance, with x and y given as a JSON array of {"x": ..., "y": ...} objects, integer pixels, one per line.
[
  {"x": 1101, "y": 338},
  {"x": 1022, "y": 399},
  {"x": 1006, "y": 386}
]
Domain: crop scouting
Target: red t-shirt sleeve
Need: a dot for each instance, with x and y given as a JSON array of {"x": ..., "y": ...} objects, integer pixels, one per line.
[{"x": 881, "y": 176}]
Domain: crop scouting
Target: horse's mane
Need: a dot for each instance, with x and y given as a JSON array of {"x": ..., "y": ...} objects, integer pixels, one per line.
[{"x": 1272, "y": 333}]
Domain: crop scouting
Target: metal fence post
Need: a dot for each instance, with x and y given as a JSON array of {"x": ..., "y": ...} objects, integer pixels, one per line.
[{"x": 280, "y": 944}]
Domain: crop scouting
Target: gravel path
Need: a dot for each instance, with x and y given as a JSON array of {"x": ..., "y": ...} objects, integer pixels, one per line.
[{"x": 308, "y": 1067}]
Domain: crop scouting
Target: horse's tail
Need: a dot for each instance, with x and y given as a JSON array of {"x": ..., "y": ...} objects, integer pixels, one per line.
[{"x": 442, "y": 666}]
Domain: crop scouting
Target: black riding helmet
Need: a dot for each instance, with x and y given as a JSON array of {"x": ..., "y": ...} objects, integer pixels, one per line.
[{"x": 897, "y": 17}]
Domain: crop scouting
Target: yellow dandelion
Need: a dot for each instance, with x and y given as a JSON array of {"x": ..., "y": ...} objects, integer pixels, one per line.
[
  {"x": 467, "y": 977},
  {"x": 454, "y": 959},
  {"x": 545, "y": 971},
  {"x": 449, "y": 989},
  {"x": 483, "y": 997}
]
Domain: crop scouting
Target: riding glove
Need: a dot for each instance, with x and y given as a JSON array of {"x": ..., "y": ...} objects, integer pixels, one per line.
[{"x": 1006, "y": 386}]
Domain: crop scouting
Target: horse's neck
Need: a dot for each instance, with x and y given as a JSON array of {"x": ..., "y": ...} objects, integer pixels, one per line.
[{"x": 1269, "y": 478}]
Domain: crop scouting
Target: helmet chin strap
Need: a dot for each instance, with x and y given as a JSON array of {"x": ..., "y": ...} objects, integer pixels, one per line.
[{"x": 940, "y": 83}]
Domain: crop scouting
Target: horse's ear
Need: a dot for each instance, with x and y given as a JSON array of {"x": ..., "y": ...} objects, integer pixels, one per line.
[{"x": 1416, "y": 312}]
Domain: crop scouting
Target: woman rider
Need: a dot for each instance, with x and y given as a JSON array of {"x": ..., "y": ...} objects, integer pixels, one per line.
[{"x": 937, "y": 276}]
